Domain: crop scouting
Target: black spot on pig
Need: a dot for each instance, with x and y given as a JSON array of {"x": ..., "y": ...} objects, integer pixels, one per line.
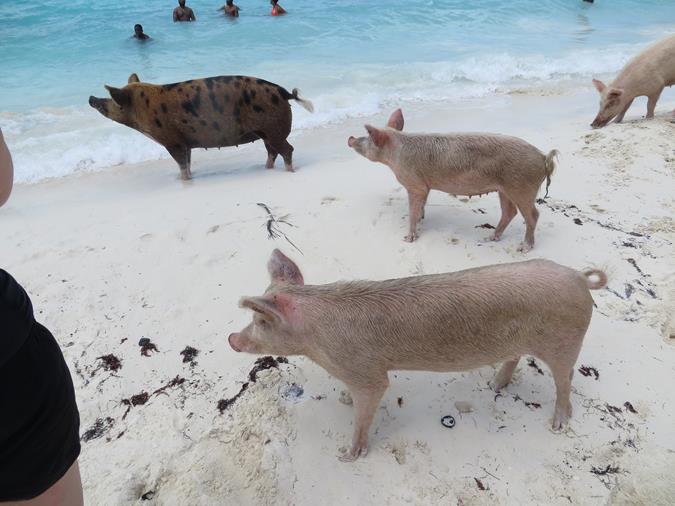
[
  {"x": 184, "y": 121},
  {"x": 252, "y": 93},
  {"x": 202, "y": 122},
  {"x": 147, "y": 102},
  {"x": 216, "y": 126},
  {"x": 247, "y": 97},
  {"x": 158, "y": 123},
  {"x": 165, "y": 109},
  {"x": 275, "y": 100},
  {"x": 142, "y": 94},
  {"x": 188, "y": 106},
  {"x": 170, "y": 86},
  {"x": 180, "y": 89},
  {"x": 209, "y": 83},
  {"x": 257, "y": 108}
]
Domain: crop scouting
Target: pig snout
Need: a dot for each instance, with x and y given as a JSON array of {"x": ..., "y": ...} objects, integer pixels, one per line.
[
  {"x": 233, "y": 340},
  {"x": 350, "y": 141},
  {"x": 598, "y": 122}
]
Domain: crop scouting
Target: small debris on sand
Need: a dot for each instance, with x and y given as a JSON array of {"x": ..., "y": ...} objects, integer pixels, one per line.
[
  {"x": 171, "y": 384},
  {"x": 533, "y": 364},
  {"x": 110, "y": 362},
  {"x": 448, "y": 421},
  {"x": 479, "y": 484},
  {"x": 346, "y": 398},
  {"x": 399, "y": 401},
  {"x": 135, "y": 400},
  {"x": 147, "y": 346},
  {"x": 189, "y": 354},
  {"x": 100, "y": 427},
  {"x": 629, "y": 407},
  {"x": 587, "y": 370},
  {"x": 485, "y": 225},
  {"x": 607, "y": 470}
]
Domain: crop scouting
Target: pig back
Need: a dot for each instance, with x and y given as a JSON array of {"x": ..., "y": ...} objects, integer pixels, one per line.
[
  {"x": 470, "y": 163},
  {"x": 446, "y": 322}
]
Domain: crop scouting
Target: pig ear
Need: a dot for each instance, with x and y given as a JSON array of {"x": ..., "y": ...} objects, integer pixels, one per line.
[
  {"x": 133, "y": 78},
  {"x": 263, "y": 306},
  {"x": 396, "y": 120},
  {"x": 121, "y": 96},
  {"x": 599, "y": 85},
  {"x": 379, "y": 137},
  {"x": 283, "y": 269},
  {"x": 615, "y": 92}
]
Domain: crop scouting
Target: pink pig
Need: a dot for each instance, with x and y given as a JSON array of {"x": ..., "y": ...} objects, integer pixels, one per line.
[
  {"x": 359, "y": 331},
  {"x": 461, "y": 164},
  {"x": 645, "y": 75}
]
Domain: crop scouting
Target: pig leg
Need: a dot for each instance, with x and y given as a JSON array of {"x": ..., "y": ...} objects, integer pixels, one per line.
[
  {"x": 563, "y": 407},
  {"x": 366, "y": 401},
  {"x": 416, "y": 200},
  {"x": 623, "y": 112},
  {"x": 271, "y": 156},
  {"x": 504, "y": 375},
  {"x": 182, "y": 155},
  {"x": 508, "y": 212},
  {"x": 651, "y": 103},
  {"x": 531, "y": 215},
  {"x": 286, "y": 151}
]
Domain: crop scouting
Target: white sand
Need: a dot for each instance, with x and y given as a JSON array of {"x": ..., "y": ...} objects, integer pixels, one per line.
[{"x": 112, "y": 257}]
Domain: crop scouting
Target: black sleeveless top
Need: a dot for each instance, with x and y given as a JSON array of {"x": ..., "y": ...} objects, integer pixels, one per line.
[{"x": 16, "y": 316}]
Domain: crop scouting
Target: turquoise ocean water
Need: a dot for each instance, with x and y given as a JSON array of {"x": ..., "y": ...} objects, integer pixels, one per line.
[{"x": 350, "y": 57}]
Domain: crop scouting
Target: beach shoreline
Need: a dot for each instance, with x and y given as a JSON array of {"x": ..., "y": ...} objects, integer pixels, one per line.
[{"x": 132, "y": 252}]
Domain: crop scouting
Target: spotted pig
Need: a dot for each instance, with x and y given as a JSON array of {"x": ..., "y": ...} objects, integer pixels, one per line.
[{"x": 212, "y": 112}]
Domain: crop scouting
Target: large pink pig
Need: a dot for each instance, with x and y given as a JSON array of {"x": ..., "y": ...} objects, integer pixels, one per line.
[{"x": 359, "y": 331}]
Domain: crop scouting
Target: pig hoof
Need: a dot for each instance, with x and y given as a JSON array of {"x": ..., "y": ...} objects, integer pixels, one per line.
[
  {"x": 290, "y": 168},
  {"x": 353, "y": 454},
  {"x": 410, "y": 238},
  {"x": 524, "y": 247},
  {"x": 269, "y": 165}
]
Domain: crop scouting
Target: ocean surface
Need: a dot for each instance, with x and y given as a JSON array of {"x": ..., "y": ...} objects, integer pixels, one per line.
[{"x": 350, "y": 57}]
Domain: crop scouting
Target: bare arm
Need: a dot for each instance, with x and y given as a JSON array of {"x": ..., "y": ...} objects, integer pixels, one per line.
[
  {"x": 175, "y": 16},
  {"x": 192, "y": 15},
  {"x": 6, "y": 172}
]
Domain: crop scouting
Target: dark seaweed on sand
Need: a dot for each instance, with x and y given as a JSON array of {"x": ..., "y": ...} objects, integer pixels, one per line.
[
  {"x": 263, "y": 363},
  {"x": 587, "y": 370},
  {"x": 100, "y": 427},
  {"x": 110, "y": 362},
  {"x": 189, "y": 354}
]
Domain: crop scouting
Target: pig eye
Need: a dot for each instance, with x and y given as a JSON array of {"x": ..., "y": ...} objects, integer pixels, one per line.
[{"x": 262, "y": 322}]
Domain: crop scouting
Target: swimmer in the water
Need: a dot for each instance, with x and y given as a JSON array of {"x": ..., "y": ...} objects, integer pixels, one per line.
[
  {"x": 182, "y": 13},
  {"x": 138, "y": 33},
  {"x": 277, "y": 10},
  {"x": 230, "y": 9}
]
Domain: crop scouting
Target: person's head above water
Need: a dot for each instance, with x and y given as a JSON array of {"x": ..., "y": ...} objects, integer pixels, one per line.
[
  {"x": 274, "y": 2},
  {"x": 229, "y": 2},
  {"x": 138, "y": 29},
  {"x": 181, "y": 3}
]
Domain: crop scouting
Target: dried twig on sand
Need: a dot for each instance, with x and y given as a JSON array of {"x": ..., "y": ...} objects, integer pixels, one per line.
[{"x": 272, "y": 225}]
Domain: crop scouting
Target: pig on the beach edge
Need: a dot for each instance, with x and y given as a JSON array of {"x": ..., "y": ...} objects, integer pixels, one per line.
[
  {"x": 358, "y": 331},
  {"x": 212, "y": 112},
  {"x": 462, "y": 164}
]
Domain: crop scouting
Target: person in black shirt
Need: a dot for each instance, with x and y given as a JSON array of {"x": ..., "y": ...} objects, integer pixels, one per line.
[{"x": 39, "y": 420}]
